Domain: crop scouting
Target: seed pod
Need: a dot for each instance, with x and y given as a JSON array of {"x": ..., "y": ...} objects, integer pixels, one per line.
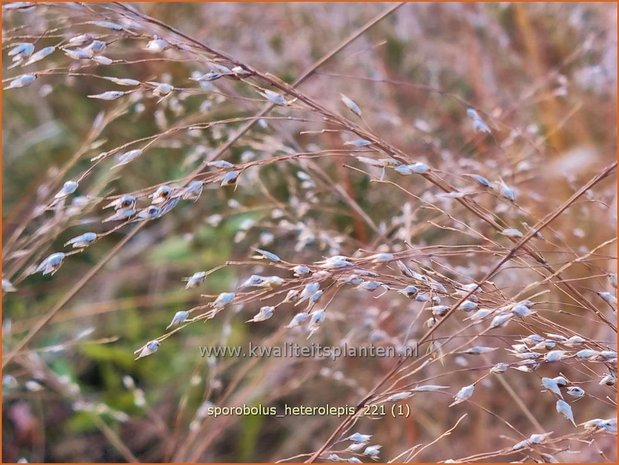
[
  {"x": 522, "y": 310},
  {"x": 21, "y": 51},
  {"x": 506, "y": 192},
  {"x": 78, "y": 54},
  {"x": 223, "y": 299},
  {"x": 96, "y": 46},
  {"x": 538, "y": 438},
  {"x": 179, "y": 318},
  {"x": 500, "y": 320},
  {"x": 564, "y": 409},
  {"x": 149, "y": 213},
  {"x": 353, "y": 280},
  {"x": 220, "y": 68},
  {"x": 440, "y": 310},
  {"x": 252, "y": 281},
  {"x": 291, "y": 296},
  {"x": 308, "y": 291},
  {"x": 520, "y": 348},
  {"x": 609, "y": 424},
  {"x": 162, "y": 194},
  {"x": 109, "y": 95},
  {"x": 369, "y": 285},
  {"x": 221, "y": 164},
  {"x": 352, "y": 106},
  {"x": 207, "y": 77},
  {"x": 68, "y": 188},
  {"x": 264, "y": 314},
  {"x": 51, "y": 264},
  {"x": 575, "y": 341},
  {"x": 337, "y": 262},
  {"x": 466, "y": 288},
  {"x": 499, "y": 368},
  {"x": 467, "y": 306},
  {"x": 528, "y": 355},
  {"x": 476, "y": 350},
  {"x": 607, "y": 355},
  {"x": 127, "y": 157},
  {"x": 297, "y": 320},
  {"x": 463, "y": 394},
  {"x": 102, "y": 60},
  {"x": 195, "y": 279},
  {"x": 532, "y": 339},
  {"x": 480, "y": 179},
  {"x": 7, "y": 286},
  {"x": 554, "y": 356},
  {"x": 533, "y": 439},
  {"x": 161, "y": 88},
  {"x": 169, "y": 205},
  {"x": 157, "y": 45},
  {"x": 608, "y": 297},
  {"x": 382, "y": 162},
  {"x": 316, "y": 318},
  {"x": 149, "y": 348},
  {"x": 419, "y": 168},
  {"x": 33, "y": 386},
  {"x": 453, "y": 195},
  {"x": 82, "y": 241},
  {"x": 301, "y": 270},
  {"x": 382, "y": 257},
  {"x": 107, "y": 25},
  {"x": 512, "y": 232},
  {"x": 398, "y": 396},
  {"x": 586, "y": 353},
  {"x": 521, "y": 445},
  {"x": 358, "y": 143},
  {"x": 552, "y": 386},
  {"x": 240, "y": 71},
  {"x": 422, "y": 297},
  {"x": 230, "y": 178},
  {"x": 274, "y": 97},
  {"x": 536, "y": 233},
  {"x": 123, "y": 81},
  {"x": 193, "y": 191},
  {"x": 409, "y": 291},
  {"x": 264, "y": 254},
  {"x": 548, "y": 344},
  {"x": 272, "y": 281},
  {"x": 608, "y": 380},
  {"x": 44, "y": 52},
  {"x": 121, "y": 214},
  {"x": 315, "y": 297},
  {"x": 429, "y": 388},
  {"x": 438, "y": 287},
  {"x": 478, "y": 124},
  {"x": 404, "y": 170},
  {"x": 576, "y": 391},
  {"x": 557, "y": 337},
  {"x": 480, "y": 314},
  {"x": 372, "y": 451},
  {"x": 22, "y": 81}
]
